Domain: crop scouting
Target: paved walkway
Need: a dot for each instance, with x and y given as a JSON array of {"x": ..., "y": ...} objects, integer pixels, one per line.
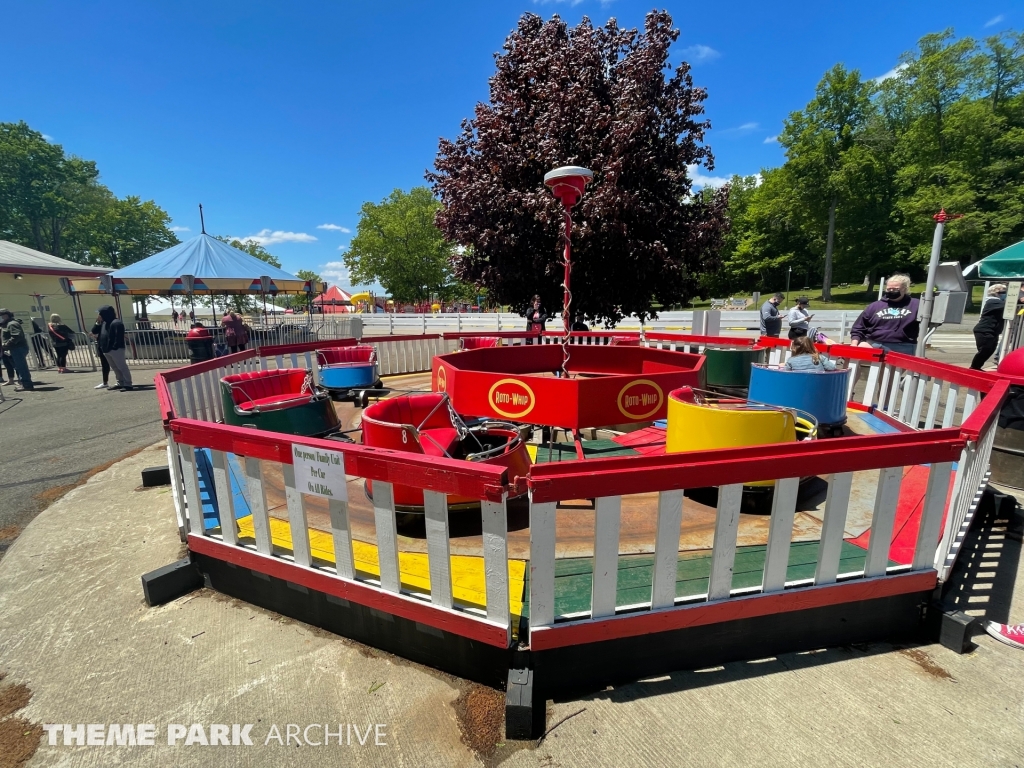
[{"x": 56, "y": 435}]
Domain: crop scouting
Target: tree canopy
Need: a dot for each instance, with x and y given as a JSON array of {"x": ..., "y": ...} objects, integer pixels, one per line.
[
  {"x": 610, "y": 100},
  {"x": 869, "y": 163},
  {"x": 55, "y": 203},
  {"x": 398, "y": 245}
]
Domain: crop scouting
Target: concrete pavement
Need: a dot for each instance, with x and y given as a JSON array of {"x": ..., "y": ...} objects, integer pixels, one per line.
[
  {"x": 54, "y": 436},
  {"x": 77, "y": 635}
]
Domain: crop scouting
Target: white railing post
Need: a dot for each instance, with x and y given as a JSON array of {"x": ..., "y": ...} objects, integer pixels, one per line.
[
  {"x": 837, "y": 504},
  {"x": 607, "y": 518},
  {"x": 931, "y": 515},
  {"x": 494, "y": 520},
  {"x": 192, "y": 499},
  {"x": 884, "y": 516},
  {"x": 666, "y": 549},
  {"x": 723, "y": 552},
  {"x": 542, "y": 563},
  {"x": 435, "y": 517},
  {"x": 297, "y": 521},
  {"x": 780, "y": 534},
  {"x": 225, "y": 498},
  {"x": 387, "y": 535},
  {"x": 258, "y": 505}
]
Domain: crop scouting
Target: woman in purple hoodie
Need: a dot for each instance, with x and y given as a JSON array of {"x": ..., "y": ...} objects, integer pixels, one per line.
[{"x": 891, "y": 323}]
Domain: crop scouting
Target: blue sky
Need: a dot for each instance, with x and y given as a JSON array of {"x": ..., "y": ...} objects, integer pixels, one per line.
[{"x": 283, "y": 118}]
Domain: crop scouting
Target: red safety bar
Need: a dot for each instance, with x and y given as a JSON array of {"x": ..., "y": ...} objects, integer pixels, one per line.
[
  {"x": 643, "y": 474},
  {"x": 433, "y": 473}
]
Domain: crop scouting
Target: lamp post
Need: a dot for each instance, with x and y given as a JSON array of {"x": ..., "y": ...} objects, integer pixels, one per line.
[
  {"x": 925, "y": 313},
  {"x": 789, "y": 274},
  {"x": 567, "y": 184}
]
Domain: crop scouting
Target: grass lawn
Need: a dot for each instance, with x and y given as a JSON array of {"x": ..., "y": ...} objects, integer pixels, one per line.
[{"x": 852, "y": 297}]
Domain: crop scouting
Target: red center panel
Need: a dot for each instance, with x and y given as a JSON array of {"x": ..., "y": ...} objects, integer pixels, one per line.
[{"x": 608, "y": 385}]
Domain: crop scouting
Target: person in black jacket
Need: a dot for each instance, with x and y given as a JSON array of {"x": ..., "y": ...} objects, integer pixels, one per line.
[
  {"x": 535, "y": 318},
  {"x": 111, "y": 344},
  {"x": 986, "y": 332}
]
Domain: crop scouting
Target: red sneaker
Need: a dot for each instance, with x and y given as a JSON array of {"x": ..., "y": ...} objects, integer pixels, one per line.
[{"x": 1007, "y": 633}]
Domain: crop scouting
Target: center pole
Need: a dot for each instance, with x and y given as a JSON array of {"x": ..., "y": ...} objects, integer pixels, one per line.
[{"x": 567, "y": 297}]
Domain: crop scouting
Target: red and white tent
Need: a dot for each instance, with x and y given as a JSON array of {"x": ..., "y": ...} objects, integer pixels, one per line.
[{"x": 334, "y": 300}]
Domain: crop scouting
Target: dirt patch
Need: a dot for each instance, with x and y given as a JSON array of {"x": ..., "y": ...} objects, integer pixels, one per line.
[
  {"x": 925, "y": 662},
  {"x": 481, "y": 714},
  {"x": 10, "y": 532},
  {"x": 13, "y": 698},
  {"x": 19, "y": 738}
]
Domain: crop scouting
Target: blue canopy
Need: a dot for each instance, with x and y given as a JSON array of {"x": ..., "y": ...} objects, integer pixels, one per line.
[{"x": 216, "y": 267}]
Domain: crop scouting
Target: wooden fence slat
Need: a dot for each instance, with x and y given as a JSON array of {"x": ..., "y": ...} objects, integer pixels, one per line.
[
  {"x": 177, "y": 490},
  {"x": 915, "y": 413},
  {"x": 181, "y": 408},
  {"x": 886, "y": 497},
  {"x": 969, "y": 403},
  {"x": 341, "y": 532},
  {"x": 258, "y": 505},
  {"x": 909, "y": 385},
  {"x": 957, "y": 505},
  {"x": 195, "y": 504},
  {"x": 494, "y": 521},
  {"x": 931, "y": 516},
  {"x": 387, "y": 535},
  {"x": 837, "y": 503},
  {"x": 780, "y": 534},
  {"x": 297, "y": 521},
  {"x": 723, "y": 553},
  {"x": 542, "y": 564},
  {"x": 435, "y": 517},
  {"x": 666, "y": 549},
  {"x": 883, "y": 389},
  {"x": 225, "y": 498},
  {"x": 949, "y": 412},
  {"x": 869, "y": 389},
  {"x": 607, "y": 519},
  {"x": 191, "y": 396},
  {"x": 201, "y": 397},
  {"x": 933, "y": 404}
]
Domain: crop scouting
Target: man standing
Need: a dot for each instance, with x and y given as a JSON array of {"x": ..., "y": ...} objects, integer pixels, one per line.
[
  {"x": 13, "y": 341},
  {"x": 771, "y": 320},
  {"x": 891, "y": 323},
  {"x": 111, "y": 343},
  {"x": 535, "y": 319}
]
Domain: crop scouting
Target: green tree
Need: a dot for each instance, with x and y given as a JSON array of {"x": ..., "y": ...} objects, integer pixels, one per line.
[
  {"x": 41, "y": 189},
  {"x": 816, "y": 142},
  {"x": 125, "y": 231},
  {"x": 398, "y": 245}
]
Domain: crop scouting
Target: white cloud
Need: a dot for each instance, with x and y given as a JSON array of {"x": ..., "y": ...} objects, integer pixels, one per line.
[
  {"x": 772, "y": 140},
  {"x": 700, "y": 179},
  {"x": 334, "y": 272},
  {"x": 562, "y": 2},
  {"x": 700, "y": 53},
  {"x": 268, "y": 237},
  {"x": 748, "y": 127},
  {"x": 180, "y": 229},
  {"x": 894, "y": 72},
  {"x": 48, "y": 137},
  {"x": 334, "y": 228},
  {"x": 995, "y": 20}
]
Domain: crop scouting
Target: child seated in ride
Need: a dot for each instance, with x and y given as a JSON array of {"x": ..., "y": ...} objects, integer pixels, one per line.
[{"x": 804, "y": 357}]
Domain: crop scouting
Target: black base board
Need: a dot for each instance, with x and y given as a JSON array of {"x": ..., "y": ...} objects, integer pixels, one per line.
[
  {"x": 411, "y": 640},
  {"x": 583, "y": 668},
  {"x": 595, "y": 665}
]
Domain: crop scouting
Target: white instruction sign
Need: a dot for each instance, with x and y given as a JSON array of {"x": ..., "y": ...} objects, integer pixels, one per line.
[{"x": 319, "y": 472}]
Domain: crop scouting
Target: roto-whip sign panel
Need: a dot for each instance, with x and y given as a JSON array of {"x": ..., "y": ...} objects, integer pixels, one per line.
[{"x": 319, "y": 472}]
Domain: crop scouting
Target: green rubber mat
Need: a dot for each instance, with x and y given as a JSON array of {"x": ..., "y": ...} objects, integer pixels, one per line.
[
  {"x": 592, "y": 449},
  {"x": 573, "y": 576}
]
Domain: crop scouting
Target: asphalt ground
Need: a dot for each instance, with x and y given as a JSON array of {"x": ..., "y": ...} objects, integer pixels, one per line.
[{"x": 53, "y": 438}]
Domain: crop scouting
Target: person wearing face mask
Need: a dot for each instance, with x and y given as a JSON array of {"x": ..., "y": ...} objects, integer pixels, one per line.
[{"x": 890, "y": 323}]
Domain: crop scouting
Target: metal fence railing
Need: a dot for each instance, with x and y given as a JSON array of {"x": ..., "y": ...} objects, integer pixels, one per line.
[{"x": 42, "y": 354}]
